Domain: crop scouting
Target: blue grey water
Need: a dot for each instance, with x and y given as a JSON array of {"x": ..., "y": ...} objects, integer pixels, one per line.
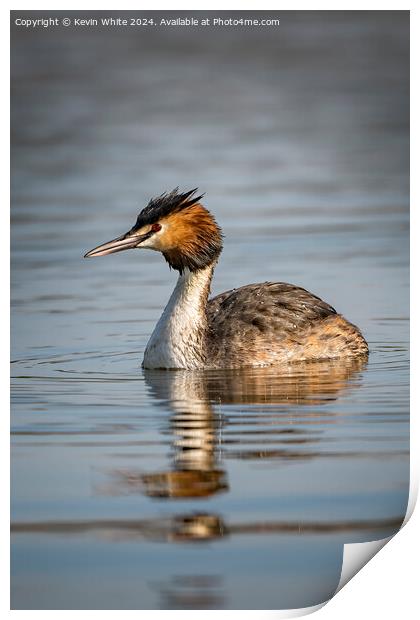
[{"x": 178, "y": 490}]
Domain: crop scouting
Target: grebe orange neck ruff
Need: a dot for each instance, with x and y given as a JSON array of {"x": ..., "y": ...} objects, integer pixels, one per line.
[{"x": 265, "y": 324}]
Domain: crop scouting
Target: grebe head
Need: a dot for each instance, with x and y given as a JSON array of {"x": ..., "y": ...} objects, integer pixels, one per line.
[{"x": 175, "y": 224}]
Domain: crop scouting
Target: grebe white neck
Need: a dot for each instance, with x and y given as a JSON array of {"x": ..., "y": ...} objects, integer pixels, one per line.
[{"x": 179, "y": 338}]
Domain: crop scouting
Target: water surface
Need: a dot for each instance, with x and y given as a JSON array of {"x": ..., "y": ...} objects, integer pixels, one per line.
[{"x": 201, "y": 490}]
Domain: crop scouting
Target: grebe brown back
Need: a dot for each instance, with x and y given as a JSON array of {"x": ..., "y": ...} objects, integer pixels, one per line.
[{"x": 265, "y": 324}]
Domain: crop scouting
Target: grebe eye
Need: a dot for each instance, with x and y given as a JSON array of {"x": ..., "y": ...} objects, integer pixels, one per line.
[{"x": 155, "y": 227}]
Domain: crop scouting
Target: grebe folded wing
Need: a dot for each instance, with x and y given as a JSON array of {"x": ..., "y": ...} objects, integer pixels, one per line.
[
  {"x": 275, "y": 322},
  {"x": 274, "y": 300}
]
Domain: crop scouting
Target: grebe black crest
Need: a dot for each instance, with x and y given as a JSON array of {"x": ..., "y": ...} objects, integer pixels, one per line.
[{"x": 265, "y": 324}]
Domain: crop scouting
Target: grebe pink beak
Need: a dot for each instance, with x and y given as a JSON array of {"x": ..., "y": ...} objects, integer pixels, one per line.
[{"x": 127, "y": 241}]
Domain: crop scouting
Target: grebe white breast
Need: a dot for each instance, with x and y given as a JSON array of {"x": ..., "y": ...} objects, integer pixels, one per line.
[{"x": 265, "y": 324}]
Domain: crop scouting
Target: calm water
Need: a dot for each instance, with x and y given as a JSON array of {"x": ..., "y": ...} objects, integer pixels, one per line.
[{"x": 184, "y": 490}]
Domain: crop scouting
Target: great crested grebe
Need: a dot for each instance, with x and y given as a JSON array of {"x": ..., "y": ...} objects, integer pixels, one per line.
[{"x": 265, "y": 324}]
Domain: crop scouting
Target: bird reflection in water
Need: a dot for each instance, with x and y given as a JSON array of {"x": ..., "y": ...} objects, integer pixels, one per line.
[
  {"x": 201, "y": 443},
  {"x": 200, "y": 433}
]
